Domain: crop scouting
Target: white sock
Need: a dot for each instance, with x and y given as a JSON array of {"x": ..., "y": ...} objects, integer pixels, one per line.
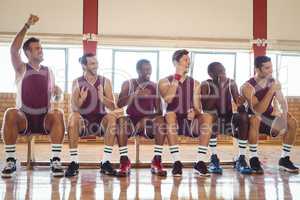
[
  {"x": 107, "y": 151},
  {"x": 242, "y": 147},
  {"x": 286, "y": 150},
  {"x": 213, "y": 145},
  {"x": 202, "y": 150},
  {"x": 123, "y": 151},
  {"x": 74, "y": 155},
  {"x": 158, "y": 150},
  {"x": 174, "y": 150},
  {"x": 56, "y": 150},
  {"x": 10, "y": 151},
  {"x": 253, "y": 150}
]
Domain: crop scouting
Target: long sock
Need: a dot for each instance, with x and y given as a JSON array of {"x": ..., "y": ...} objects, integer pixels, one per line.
[
  {"x": 202, "y": 150},
  {"x": 56, "y": 150},
  {"x": 242, "y": 146},
  {"x": 107, "y": 151},
  {"x": 158, "y": 150},
  {"x": 174, "y": 150},
  {"x": 213, "y": 145},
  {"x": 74, "y": 155},
  {"x": 10, "y": 151},
  {"x": 286, "y": 150},
  {"x": 253, "y": 150},
  {"x": 123, "y": 151}
]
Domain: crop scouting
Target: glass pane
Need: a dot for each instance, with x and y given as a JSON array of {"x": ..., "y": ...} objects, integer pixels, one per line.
[
  {"x": 125, "y": 66},
  {"x": 243, "y": 68},
  {"x": 74, "y": 67},
  {"x": 7, "y": 75},
  {"x": 202, "y": 60},
  {"x": 166, "y": 66},
  {"x": 55, "y": 60},
  {"x": 293, "y": 70}
]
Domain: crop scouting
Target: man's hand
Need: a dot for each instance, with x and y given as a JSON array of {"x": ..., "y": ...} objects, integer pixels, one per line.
[
  {"x": 191, "y": 114},
  {"x": 83, "y": 93},
  {"x": 100, "y": 92},
  {"x": 32, "y": 20},
  {"x": 275, "y": 86}
]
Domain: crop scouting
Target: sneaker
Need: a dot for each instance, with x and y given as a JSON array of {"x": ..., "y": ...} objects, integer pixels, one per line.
[
  {"x": 125, "y": 166},
  {"x": 214, "y": 166},
  {"x": 177, "y": 168},
  {"x": 157, "y": 167},
  {"x": 72, "y": 169},
  {"x": 200, "y": 169},
  {"x": 10, "y": 168},
  {"x": 241, "y": 165},
  {"x": 106, "y": 168},
  {"x": 56, "y": 168},
  {"x": 256, "y": 166},
  {"x": 286, "y": 165}
]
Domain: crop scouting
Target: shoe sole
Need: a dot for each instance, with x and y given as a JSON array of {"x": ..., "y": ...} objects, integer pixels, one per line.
[
  {"x": 282, "y": 168},
  {"x": 215, "y": 172},
  {"x": 199, "y": 174},
  {"x": 107, "y": 173},
  {"x": 177, "y": 175},
  {"x": 58, "y": 174},
  {"x": 159, "y": 173},
  {"x": 123, "y": 174},
  {"x": 8, "y": 175}
]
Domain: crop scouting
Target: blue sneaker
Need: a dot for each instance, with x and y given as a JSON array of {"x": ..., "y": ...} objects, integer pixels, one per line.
[
  {"x": 214, "y": 166},
  {"x": 241, "y": 165}
]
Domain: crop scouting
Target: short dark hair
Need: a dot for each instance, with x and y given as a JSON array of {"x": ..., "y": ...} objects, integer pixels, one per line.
[
  {"x": 140, "y": 63},
  {"x": 212, "y": 66},
  {"x": 259, "y": 60},
  {"x": 26, "y": 45},
  {"x": 178, "y": 54},
  {"x": 83, "y": 60}
]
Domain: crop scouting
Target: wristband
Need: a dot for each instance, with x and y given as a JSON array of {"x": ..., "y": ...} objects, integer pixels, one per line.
[{"x": 177, "y": 77}]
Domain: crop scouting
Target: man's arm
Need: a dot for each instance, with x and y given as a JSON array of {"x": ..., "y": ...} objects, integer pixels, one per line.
[
  {"x": 76, "y": 100},
  {"x": 167, "y": 89},
  {"x": 16, "y": 45},
  {"x": 197, "y": 98},
  {"x": 108, "y": 97},
  {"x": 125, "y": 97}
]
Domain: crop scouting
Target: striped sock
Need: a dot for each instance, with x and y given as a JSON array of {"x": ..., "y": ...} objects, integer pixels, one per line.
[
  {"x": 158, "y": 150},
  {"x": 107, "y": 151},
  {"x": 213, "y": 145},
  {"x": 56, "y": 150},
  {"x": 253, "y": 150},
  {"x": 286, "y": 150},
  {"x": 202, "y": 150},
  {"x": 174, "y": 150},
  {"x": 242, "y": 146},
  {"x": 74, "y": 155},
  {"x": 123, "y": 151},
  {"x": 10, "y": 151}
]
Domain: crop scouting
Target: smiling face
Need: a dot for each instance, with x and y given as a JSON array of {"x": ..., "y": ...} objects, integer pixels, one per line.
[
  {"x": 35, "y": 52},
  {"x": 266, "y": 70},
  {"x": 145, "y": 72},
  {"x": 92, "y": 65}
]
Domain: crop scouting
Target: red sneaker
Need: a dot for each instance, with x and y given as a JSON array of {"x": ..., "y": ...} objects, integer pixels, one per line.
[
  {"x": 157, "y": 167},
  {"x": 125, "y": 166}
]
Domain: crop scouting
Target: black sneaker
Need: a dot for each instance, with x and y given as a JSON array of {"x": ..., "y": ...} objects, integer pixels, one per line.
[
  {"x": 106, "y": 168},
  {"x": 200, "y": 169},
  {"x": 256, "y": 166},
  {"x": 286, "y": 165},
  {"x": 177, "y": 168},
  {"x": 72, "y": 169},
  {"x": 10, "y": 168},
  {"x": 214, "y": 166},
  {"x": 56, "y": 168},
  {"x": 241, "y": 165}
]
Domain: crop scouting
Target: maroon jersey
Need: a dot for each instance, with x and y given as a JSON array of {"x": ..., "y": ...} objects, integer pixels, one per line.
[
  {"x": 91, "y": 106},
  {"x": 183, "y": 100},
  {"x": 220, "y": 95},
  {"x": 260, "y": 93},
  {"x": 34, "y": 90},
  {"x": 141, "y": 106}
]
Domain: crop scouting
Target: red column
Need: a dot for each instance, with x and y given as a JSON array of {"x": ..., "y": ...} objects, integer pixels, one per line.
[
  {"x": 90, "y": 24},
  {"x": 259, "y": 26}
]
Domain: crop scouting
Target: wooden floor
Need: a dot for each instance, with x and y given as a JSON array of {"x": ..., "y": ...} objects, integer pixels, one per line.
[{"x": 90, "y": 184}]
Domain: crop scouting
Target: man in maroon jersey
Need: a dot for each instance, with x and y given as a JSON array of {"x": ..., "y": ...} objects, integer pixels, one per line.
[
  {"x": 144, "y": 114},
  {"x": 91, "y": 97},
  {"x": 33, "y": 114},
  {"x": 182, "y": 96},
  {"x": 261, "y": 93}
]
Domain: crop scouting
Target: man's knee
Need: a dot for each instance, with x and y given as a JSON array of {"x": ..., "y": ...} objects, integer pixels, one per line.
[
  {"x": 10, "y": 115},
  {"x": 74, "y": 119},
  {"x": 254, "y": 121},
  {"x": 170, "y": 117}
]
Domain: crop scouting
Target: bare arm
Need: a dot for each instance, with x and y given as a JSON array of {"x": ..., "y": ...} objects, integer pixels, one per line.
[
  {"x": 125, "y": 97},
  {"x": 197, "y": 98},
  {"x": 108, "y": 97},
  {"x": 167, "y": 90},
  {"x": 76, "y": 99}
]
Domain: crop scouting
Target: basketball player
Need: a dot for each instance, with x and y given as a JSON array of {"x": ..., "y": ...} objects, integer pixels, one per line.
[
  {"x": 261, "y": 92},
  {"x": 182, "y": 96},
  {"x": 217, "y": 94},
  {"x": 144, "y": 113},
  {"x": 33, "y": 114},
  {"x": 91, "y": 96}
]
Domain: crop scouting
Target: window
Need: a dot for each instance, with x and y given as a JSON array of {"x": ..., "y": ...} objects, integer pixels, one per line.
[
  {"x": 125, "y": 65},
  {"x": 7, "y": 75}
]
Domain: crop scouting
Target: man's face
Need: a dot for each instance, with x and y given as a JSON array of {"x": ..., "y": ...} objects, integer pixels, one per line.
[
  {"x": 266, "y": 70},
  {"x": 218, "y": 73},
  {"x": 35, "y": 52},
  {"x": 145, "y": 72},
  {"x": 184, "y": 63},
  {"x": 91, "y": 65}
]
